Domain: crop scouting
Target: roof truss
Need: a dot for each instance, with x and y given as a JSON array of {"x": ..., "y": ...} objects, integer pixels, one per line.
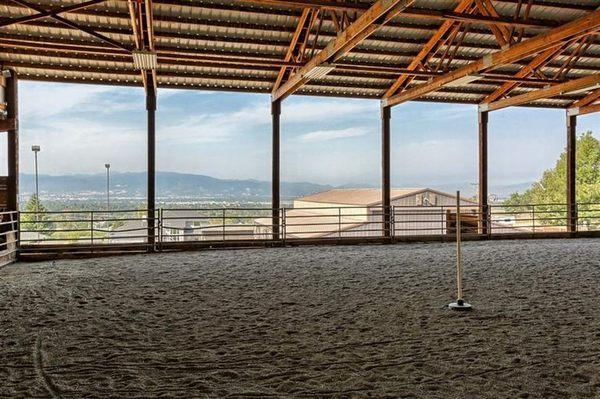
[
  {"x": 574, "y": 29},
  {"x": 49, "y": 13},
  {"x": 379, "y": 13},
  {"x": 587, "y": 82}
]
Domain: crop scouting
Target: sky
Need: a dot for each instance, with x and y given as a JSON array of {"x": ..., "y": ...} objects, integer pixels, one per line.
[{"x": 324, "y": 140}]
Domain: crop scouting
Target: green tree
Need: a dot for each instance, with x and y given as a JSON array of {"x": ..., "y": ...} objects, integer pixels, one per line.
[
  {"x": 32, "y": 221},
  {"x": 552, "y": 187}
]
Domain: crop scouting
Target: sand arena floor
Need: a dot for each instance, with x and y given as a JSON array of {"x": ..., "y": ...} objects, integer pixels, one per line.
[{"x": 325, "y": 322}]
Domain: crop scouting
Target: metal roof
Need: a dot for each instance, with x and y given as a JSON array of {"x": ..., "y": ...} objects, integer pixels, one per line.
[{"x": 243, "y": 45}]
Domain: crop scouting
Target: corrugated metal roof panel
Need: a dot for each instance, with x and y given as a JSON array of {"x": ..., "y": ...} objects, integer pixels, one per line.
[{"x": 192, "y": 35}]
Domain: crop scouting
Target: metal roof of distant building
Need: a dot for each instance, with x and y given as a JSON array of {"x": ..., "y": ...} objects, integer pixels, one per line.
[{"x": 358, "y": 196}]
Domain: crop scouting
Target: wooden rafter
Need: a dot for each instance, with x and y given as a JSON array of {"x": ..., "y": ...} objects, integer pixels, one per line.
[
  {"x": 587, "y": 100},
  {"x": 587, "y": 105},
  {"x": 590, "y": 109},
  {"x": 380, "y": 13},
  {"x": 501, "y": 32},
  {"x": 49, "y": 13},
  {"x": 301, "y": 28},
  {"x": 72, "y": 24},
  {"x": 552, "y": 91},
  {"x": 427, "y": 48},
  {"x": 577, "y": 28},
  {"x": 142, "y": 26},
  {"x": 526, "y": 71}
]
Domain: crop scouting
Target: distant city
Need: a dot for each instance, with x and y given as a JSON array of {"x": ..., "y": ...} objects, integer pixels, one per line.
[{"x": 129, "y": 189}]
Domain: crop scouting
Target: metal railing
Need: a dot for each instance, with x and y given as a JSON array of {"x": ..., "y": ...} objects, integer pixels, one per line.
[
  {"x": 9, "y": 237},
  {"x": 85, "y": 229},
  {"x": 128, "y": 228}
]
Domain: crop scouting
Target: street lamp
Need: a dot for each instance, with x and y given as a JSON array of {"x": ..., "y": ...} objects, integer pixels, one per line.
[
  {"x": 36, "y": 149},
  {"x": 107, "y": 166}
]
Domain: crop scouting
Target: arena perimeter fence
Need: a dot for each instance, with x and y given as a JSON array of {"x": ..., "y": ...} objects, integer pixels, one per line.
[{"x": 121, "y": 231}]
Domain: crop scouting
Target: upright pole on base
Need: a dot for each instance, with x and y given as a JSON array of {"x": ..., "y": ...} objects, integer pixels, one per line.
[{"x": 460, "y": 304}]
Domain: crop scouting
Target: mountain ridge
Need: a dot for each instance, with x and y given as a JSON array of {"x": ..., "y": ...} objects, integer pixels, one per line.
[{"x": 189, "y": 185}]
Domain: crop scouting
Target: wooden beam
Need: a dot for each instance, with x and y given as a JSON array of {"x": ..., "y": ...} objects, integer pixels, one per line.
[
  {"x": 380, "y": 13},
  {"x": 590, "y": 109},
  {"x": 581, "y": 26},
  {"x": 587, "y": 100},
  {"x": 426, "y": 49},
  {"x": 8, "y": 124},
  {"x": 552, "y": 91}
]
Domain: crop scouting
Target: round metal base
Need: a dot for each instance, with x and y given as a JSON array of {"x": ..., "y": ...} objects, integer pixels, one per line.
[{"x": 460, "y": 305}]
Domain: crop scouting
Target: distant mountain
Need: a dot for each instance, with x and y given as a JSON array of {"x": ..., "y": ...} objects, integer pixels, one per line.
[
  {"x": 191, "y": 186},
  {"x": 168, "y": 184}
]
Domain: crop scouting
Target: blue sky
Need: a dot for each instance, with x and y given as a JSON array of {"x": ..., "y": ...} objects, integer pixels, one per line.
[{"x": 324, "y": 140}]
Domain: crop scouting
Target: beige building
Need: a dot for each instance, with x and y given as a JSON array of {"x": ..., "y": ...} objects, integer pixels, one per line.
[{"x": 357, "y": 212}]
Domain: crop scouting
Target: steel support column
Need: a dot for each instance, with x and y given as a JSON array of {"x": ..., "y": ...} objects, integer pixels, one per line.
[
  {"x": 151, "y": 173},
  {"x": 483, "y": 173},
  {"x": 386, "y": 113},
  {"x": 571, "y": 173},
  {"x": 275, "y": 166},
  {"x": 12, "y": 101}
]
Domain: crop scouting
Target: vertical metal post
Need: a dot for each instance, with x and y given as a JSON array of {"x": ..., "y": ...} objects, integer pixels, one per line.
[
  {"x": 151, "y": 196},
  {"x": 92, "y": 230},
  {"x": 385, "y": 171},
  {"x": 339, "y": 222},
  {"x": 483, "y": 173},
  {"x": 571, "y": 173},
  {"x": 223, "y": 223},
  {"x": 12, "y": 100},
  {"x": 275, "y": 166}
]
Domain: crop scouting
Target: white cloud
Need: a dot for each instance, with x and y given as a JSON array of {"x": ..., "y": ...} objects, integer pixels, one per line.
[
  {"x": 43, "y": 100},
  {"x": 310, "y": 111},
  {"x": 77, "y": 145},
  {"x": 326, "y": 135},
  {"x": 214, "y": 127}
]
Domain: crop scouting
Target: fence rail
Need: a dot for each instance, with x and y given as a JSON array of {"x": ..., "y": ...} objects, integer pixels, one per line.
[
  {"x": 9, "y": 237},
  {"x": 93, "y": 230}
]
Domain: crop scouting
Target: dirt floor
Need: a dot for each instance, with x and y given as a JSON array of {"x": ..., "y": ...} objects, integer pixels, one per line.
[{"x": 356, "y": 321}]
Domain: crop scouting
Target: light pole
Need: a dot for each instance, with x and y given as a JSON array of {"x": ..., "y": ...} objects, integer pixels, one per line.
[
  {"x": 107, "y": 166},
  {"x": 36, "y": 149}
]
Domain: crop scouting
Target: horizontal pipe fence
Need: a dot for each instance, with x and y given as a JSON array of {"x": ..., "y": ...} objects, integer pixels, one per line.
[
  {"x": 94, "y": 230},
  {"x": 9, "y": 237}
]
